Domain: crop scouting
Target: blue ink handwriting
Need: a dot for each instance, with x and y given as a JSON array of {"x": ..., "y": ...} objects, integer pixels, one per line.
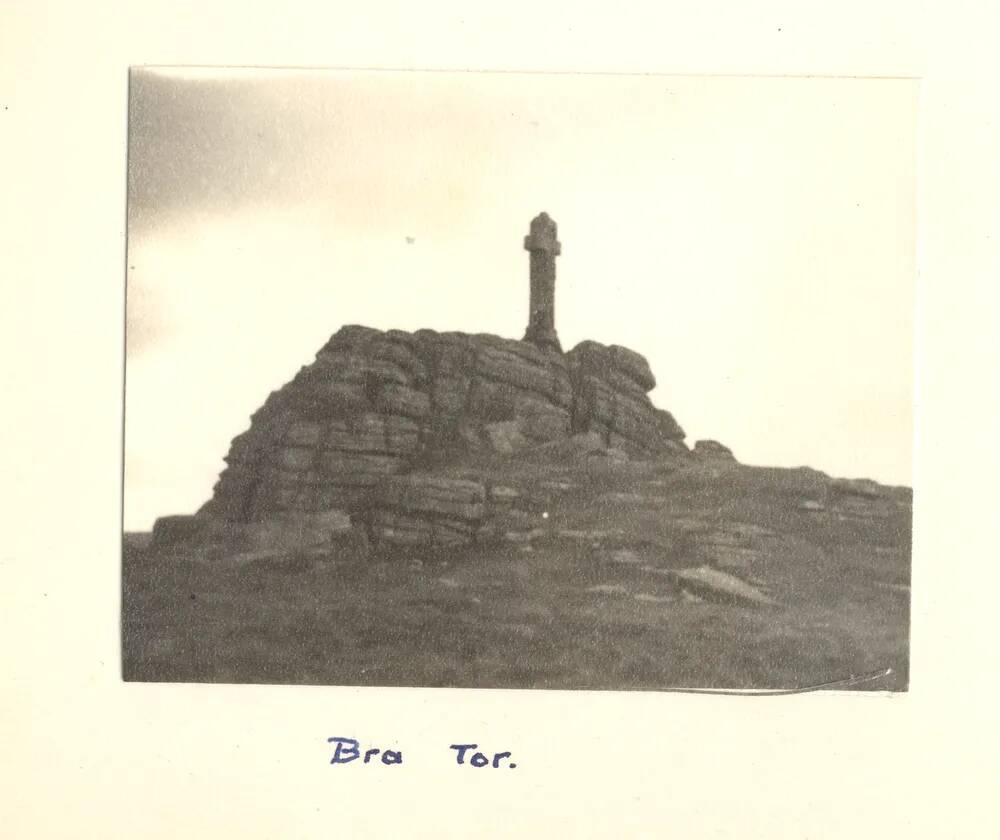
[{"x": 347, "y": 750}]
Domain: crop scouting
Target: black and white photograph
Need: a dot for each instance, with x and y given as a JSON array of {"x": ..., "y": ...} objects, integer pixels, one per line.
[
  {"x": 518, "y": 381},
  {"x": 523, "y": 420}
]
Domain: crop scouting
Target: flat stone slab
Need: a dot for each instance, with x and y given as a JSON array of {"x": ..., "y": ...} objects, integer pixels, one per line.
[
  {"x": 863, "y": 487},
  {"x": 608, "y": 589},
  {"x": 713, "y": 584},
  {"x": 625, "y": 556},
  {"x": 504, "y": 495},
  {"x": 178, "y": 530},
  {"x": 647, "y": 598}
]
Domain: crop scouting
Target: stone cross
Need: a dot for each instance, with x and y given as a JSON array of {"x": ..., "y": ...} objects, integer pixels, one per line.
[{"x": 543, "y": 246}]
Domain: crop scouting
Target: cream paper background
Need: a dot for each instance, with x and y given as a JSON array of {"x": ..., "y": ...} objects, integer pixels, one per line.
[{"x": 86, "y": 755}]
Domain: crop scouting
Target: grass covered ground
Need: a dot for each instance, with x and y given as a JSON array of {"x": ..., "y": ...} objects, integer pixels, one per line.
[{"x": 590, "y": 602}]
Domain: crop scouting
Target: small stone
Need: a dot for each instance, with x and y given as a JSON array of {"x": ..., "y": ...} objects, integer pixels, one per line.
[
  {"x": 625, "y": 556},
  {"x": 812, "y": 505},
  {"x": 706, "y": 582},
  {"x": 505, "y": 437}
]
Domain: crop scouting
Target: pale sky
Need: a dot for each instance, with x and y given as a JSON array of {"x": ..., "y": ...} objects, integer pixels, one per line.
[{"x": 754, "y": 238}]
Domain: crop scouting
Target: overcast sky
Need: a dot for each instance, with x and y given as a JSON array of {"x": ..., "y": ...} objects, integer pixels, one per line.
[{"x": 753, "y": 238}]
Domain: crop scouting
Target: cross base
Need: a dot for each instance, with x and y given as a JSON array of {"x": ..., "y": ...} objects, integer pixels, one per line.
[{"x": 547, "y": 339}]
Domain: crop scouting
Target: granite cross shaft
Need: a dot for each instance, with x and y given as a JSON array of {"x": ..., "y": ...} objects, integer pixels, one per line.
[{"x": 543, "y": 246}]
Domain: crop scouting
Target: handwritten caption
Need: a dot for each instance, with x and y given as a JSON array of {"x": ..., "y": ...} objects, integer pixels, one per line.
[{"x": 348, "y": 750}]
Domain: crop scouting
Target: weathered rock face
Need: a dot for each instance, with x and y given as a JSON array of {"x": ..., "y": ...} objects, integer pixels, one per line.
[
  {"x": 428, "y": 510},
  {"x": 713, "y": 451},
  {"x": 373, "y": 402},
  {"x": 348, "y": 432},
  {"x": 610, "y": 386}
]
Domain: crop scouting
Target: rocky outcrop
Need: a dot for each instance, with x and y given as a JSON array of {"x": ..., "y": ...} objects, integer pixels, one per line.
[
  {"x": 374, "y": 402},
  {"x": 178, "y": 530},
  {"x": 611, "y": 386},
  {"x": 352, "y": 431}
]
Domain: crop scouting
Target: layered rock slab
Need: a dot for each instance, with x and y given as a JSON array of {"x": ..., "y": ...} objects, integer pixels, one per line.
[
  {"x": 376, "y": 405},
  {"x": 611, "y": 385},
  {"x": 428, "y": 510}
]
